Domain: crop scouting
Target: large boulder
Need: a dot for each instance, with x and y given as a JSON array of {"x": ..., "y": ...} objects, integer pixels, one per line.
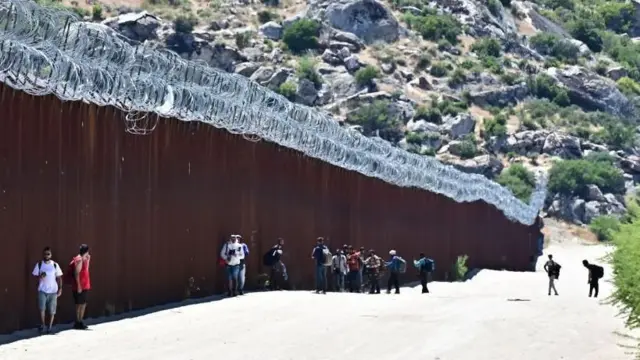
[
  {"x": 593, "y": 92},
  {"x": 526, "y": 142},
  {"x": 569, "y": 209},
  {"x": 486, "y": 165},
  {"x": 271, "y": 30},
  {"x": 564, "y": 146},
  {"x": 139, "y": 27},
  {"x": 500, "y": 96},
  {"x": 458, "y": 126},
  {"x": 370, "y": 20}
]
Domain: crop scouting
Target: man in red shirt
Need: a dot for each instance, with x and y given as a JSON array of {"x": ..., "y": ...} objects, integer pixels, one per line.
[{"x": 81, "y": 284}]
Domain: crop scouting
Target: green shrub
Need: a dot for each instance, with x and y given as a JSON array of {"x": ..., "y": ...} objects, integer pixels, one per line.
[
  {"x": 487, "y": 47},
  {"x": 96, "y": 12},
  {"x": 288, "y": 89},
  {"x": 628, "y": 86},
  {"x": 617, "y": 16},
  {"x": 414, "y": 138},
  {"x": 494, "y": 7},
  {"x": 615, "y": 134},
  {"x": 451, "y": 108},
  {"x": 511, "y": 78},
  {"x": 184, "y": 24},
  {"x": 433, "y": 26},
  {"x": 496, "y": 126},
  {"x": 543, "y": 86},
  {"x": 586, "y": 31},
  {"x": 265, "y": 16},
  {"x": 552, "y": 45},
  {"x": 468, "y": 147},
  {"x": 457, "y": 78},
  {"x": 604, "y": 227},
  {"x": 243, "y": 39},
  {"x": 429, "y": 114},
  {"x": 438, "y": 69},
  {"x": 302, "y": 35},
  {"x": 460, "y": 268},
  {"x": 423, "y": 62},
  {"x": 307, "y": 70},
  {"x": 626, "y": 268},
  {"x": 571, "y": 177},
  {"x": 365, "y": 75},
  {"x": 375, "y": 118},
  {"x": 493, "y": 64},
  {"x": 520, "y": 181}
]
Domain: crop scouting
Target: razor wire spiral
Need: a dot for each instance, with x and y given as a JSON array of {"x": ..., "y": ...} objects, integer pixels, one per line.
[{"x": 49, "y": 51}]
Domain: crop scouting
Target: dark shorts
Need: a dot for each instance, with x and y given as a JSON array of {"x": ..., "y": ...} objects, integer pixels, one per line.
[{"x": 81, "y": 298}]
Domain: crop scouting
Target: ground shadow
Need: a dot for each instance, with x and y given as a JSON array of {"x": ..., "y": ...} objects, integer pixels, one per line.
[{"x": 31, "y": 333}]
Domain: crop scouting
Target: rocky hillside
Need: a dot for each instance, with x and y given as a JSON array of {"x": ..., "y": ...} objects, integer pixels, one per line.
[{"x": 496, "y": 87}]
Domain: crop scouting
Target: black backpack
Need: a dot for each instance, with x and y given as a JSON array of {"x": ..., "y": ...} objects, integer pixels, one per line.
[
  {"x": 597, "y": 271},
  {"x": 268, "y": 259}
]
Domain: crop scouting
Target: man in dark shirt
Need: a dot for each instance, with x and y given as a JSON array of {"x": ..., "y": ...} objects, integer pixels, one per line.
[
  {"x": 595, "y": 272},
  {"x": 276, "y": 275},
  {"x": 318, "y": 254}
]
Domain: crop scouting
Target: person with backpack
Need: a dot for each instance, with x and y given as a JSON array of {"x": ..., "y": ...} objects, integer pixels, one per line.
[
  {"x": 354, "y": 266},
  {"x": 320, "y": 255},
  {"x": 244, "y": 253},
  {"x": 395, "y": 265},
  {"x": 373, "y": 264},
  {"x": 272, "y": 259},
  {"x": 596, "y": 272},
  {"x": 339, "y": 269},
  {"x": 425, "y": 267},
  {"x": 552, "y": 269},
  {"x": 79, "y": 278},
  {"x": 231, "y": 254},
  {"x": 49, "y": 277}
]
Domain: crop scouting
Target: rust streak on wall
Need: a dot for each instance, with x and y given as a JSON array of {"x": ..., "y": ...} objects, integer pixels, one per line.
[{"x": 155, "y": 209}]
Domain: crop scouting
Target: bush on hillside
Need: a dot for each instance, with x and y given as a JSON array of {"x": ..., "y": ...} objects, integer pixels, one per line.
[
  {"x": 302, "y": 35},
  {"x": 375, "y": 118},
  {"x": 184, "y": 24},
  {"x": 487, "y": 47},
  {"x": 626, "y": 268},
  {"x": 520, "y": 181},
  {"x": 586, "y": 31},
  {"x": 496, "y": 126},
  {"x": 617, "y": 16},
  {"x": 604, "y": 227},
  {"x": 433, "y": 26},
  {"x": 429, "y": 114},
  {"x": 552, "y": 45},
  {"x": 628, "y": 86},
  {"x": 366, "y": 75},
  {"x": 468, "y": 147},
  {"x": 438, "y": 69},
  {"x": 571, "y": 177},
  {"x": 543, "y": 86},
  {"x": 288, "y": 89},
  {"x": 307, "y": 70}
]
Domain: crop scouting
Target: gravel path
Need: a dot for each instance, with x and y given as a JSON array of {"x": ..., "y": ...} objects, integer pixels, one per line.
[{"x": 458, "y": 321}]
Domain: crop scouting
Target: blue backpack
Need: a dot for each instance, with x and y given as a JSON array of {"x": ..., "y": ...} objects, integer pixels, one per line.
[{"x": 429, "y": 265}]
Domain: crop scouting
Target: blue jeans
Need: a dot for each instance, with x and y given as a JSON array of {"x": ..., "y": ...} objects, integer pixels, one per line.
[
  {"x": 48, "y": 302},
  {"x": 321, "y": 278},
  {"x": 233, "y": 272},
  {"x": 241, "y": 276}
]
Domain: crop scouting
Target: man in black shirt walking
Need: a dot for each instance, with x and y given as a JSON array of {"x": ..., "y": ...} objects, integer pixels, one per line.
[{"x": 595, "y": 273}]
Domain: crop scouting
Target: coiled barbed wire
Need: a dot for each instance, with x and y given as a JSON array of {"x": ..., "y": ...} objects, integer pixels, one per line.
[{"x": 49, "y": 51}]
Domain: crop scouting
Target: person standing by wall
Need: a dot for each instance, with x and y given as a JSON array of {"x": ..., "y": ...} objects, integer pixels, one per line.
[
  {"x": 273, "y": 260},
  {"x": 49, "y": 277},
  {"x": 244, "y": 254},
  {"x": 363, "y": 268},
  {"x": 230, "y": 253},
  {"x": 393, "y": 265},
  {"x": 353, "y": 265},
  {"x": 339, "y": 269},
  {"x": 81, "y": 284},
  {"x": 373, "y": 264},
  {"x": 319, "y": 254}
]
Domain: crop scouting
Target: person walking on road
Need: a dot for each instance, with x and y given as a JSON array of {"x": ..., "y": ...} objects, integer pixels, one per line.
[
  {"x": 320, "y": 254},
  {"x": 230, "y": 253},
  {"x": 425, "y": 267},
  {"x": 596, "y": 272},
  {"x": 49, "y": 277},
  {"x": 394, "y": 266},
  {"x": 552, "y": 269}
]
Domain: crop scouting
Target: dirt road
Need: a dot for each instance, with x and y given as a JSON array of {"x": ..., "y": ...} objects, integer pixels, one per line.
[{"x": 475, "y": 320}]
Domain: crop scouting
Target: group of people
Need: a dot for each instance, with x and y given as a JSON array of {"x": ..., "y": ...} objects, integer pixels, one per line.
[
  {"x": 594, "y": 274},
  {"x": 51, "y": 279},
  {"x": 351, "y": 270}
]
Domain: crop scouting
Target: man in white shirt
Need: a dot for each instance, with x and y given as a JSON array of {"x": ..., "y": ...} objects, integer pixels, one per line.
[
  {"x": 232, "y": 253},
  {"x": 49, "y": 277}
]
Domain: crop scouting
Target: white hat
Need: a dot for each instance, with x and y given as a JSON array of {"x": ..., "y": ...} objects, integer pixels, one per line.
[{"x": 392, "y": 252}]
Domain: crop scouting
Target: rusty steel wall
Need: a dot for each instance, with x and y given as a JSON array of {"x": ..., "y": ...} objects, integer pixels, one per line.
[{"x": 155, "y": 209}]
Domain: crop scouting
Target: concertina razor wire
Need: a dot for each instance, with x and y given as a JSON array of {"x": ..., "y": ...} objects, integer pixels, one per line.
[{"x": 50, "y": 51}]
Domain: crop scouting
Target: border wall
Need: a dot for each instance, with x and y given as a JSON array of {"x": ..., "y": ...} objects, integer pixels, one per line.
[{"x": 155, "y": 209}]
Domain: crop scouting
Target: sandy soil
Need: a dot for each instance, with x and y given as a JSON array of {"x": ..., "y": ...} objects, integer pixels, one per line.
[{"x": 475, "y": 320}]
